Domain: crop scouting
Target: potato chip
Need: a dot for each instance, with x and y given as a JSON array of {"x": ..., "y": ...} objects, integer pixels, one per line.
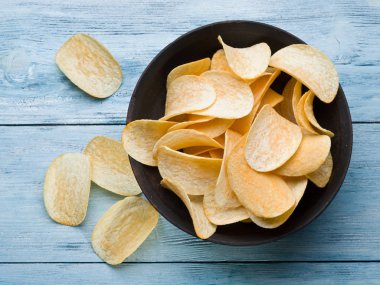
[
  {"x": 195, "y": 174},
  {"x": 187, "y": 94},
  {"x": 285, "y": 108},
  {"x": 322, "y": 175},
  {"x": 220, "y": 139},
  {"x": 111, "y": 168},
  {"x": 216, "y": 153},
  {"x": 310, "y": 66},
  {"x": 309, "y": 156},
  {"x": 67, "y": 188},
  {"x": 185, "y": 124},
  {"x": 309, "y": 112},
  {"x": 271, "y": 98},
  {"x": 248, "y": 63},
  {"x": 190, "y": 68},
  {"x": 263, "y": 194},
  {"x": 213, "y": 128},
  {"x": 90, "y": 66},
  {"x": 222, "y": 215},
  {"x": 139, "y": 138},
  {"x": 301, "y": 118},
  {"x": 259, "y": 88},
  {"x": 298, "y": 186},
  {"x": 234, "y": 98},
  {"x": 219, "y": 62},
  {"x": 185, "y": 138},
  {"x": 194, "y": 204},
  {"x": 205, "y": 154},
  {"x": 224, "y": 196},
  {"x": 198, "y": 150},
  {"x": 271, "y": 141},
  {"x": 123, "y": 228},
  {"x": 297, "y": 93}
]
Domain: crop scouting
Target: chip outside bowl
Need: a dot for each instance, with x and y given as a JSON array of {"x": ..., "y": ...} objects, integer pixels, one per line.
[{"x": 148, "y": 102}]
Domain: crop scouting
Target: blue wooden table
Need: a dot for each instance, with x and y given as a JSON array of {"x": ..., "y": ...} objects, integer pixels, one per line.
[{"x": 43, "y": 115}]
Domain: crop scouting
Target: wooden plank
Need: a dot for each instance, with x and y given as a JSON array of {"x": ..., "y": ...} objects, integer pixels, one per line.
[
  {"x": 33, "y": 91},
  {"x": 192, "y": 273},
  {"x": 347, "y": 230}
]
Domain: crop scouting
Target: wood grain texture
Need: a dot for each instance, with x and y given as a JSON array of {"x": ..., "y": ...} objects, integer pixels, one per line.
[
  {"x": 34, "y": 91},
  {"x": 347, "y": 230},
  {"x": 222, "y": 274}
]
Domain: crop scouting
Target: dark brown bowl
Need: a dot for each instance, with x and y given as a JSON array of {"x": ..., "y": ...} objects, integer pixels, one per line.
[{"x": 148, "y": 101}]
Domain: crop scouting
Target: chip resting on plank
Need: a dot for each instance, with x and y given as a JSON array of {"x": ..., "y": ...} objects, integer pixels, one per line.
[
  {"x": 265, "y": 195},
  {"x": 111, "y": 168},
  {"x": 67, "y": 188},
  {"x": 271, "y": 141},
  {"x": 310, "y": 66},
  {"x": 195, "y": 174},
  {"x": 90, "y": 66},
  {"x": 123, "y": 228}
]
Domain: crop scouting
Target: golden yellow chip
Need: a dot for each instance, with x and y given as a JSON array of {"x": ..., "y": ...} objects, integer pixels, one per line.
[
  {"x": 123, "y": 228},
  {"x": 219, "y": 62},
  {"x": 309, "y": 156},
  {"x": 67, "y": 188},
  {"x": 198, "y": 150},
  {"x": 205, "y": 154},
  {"x": 301, "y": 118},
  {"x": 224, "y": 195},
  {"x": 310, "y": 66},
  {"x": 259, "y": 88},
  {"x": 111, "y": 168},
  {"x": 194, "y": 204},
  {"x": 285, "y": 108},
  {"x": 183, "y": 139},
  {"x": 271, "y": 141},
  {"x": 220, "y": 139},
  {"x": 222, "y": 215},
  {"x": 190, "y": 68},
  {"x": 271, "y": 98},
  {"x": 139, "y": 138},
  {"x": 234, "y": 98},
  {"x": 309, "y": 112},
  {"x": 298, "y": 186},
  {"x": 195, "y": 174},
  {"x": 187, "y": 94},
  {"x": 190, "y": 121},
  {"x": 263, "y": 194},
  {"x": 322, "y": 175},
  {"x": 297, "y": 93},
  {"x": 248, "y": 63},
  {"x": 90, "y": 66},
  {"x": 216, "y": 153},
  {"x": 213, "y": 128}
]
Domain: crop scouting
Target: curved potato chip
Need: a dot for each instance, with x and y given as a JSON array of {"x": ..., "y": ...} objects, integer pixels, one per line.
[
  {"x": 259, "y": 88},
  {"x": 219, "y": 62},
  {"x": 271, "y": 141},
  {"x": 297, "y": 93},
  {"x": 224, "y": 196},
  {"x": 298, "y": 186},
  {"x": 213, "y": 128},
  {"x": 309, "y": 112},
  {"x": 111, "y": 168},
  {"x": 194, "y": 204},
  {"x": 198, "y": 150},
  {"x": 248, "y": 63},
  {"x": 67, "y": 188},
  {"x": 184, "y": 138},
  {"x": 195, "y": 174},
  {"x": 139, "y": 138},
  {"x": 310, "y": 66},
  {"x": 123, "y": 228},
  {"x": 322, "y": 175},
  {"x": 263, "y": 194},
  {"x": 216, "y": 153},
  {"x": 187, "y": 94},
  {"x": 309, "y": 156},
  {"x": 286, "y": 107},
  {"x": 234, "y": 98},
  {"x": 191, "y": 68},
  {"x": 220, "y": 139},
  {"x": 185, "y": 124},
  {"x": 89, "y": 65},
  {"x": 271, "y": 98},
  {"x": 303, "y": 122},
  {"x": 205, "y": 154},
  {"x": 222, "y": 215}
]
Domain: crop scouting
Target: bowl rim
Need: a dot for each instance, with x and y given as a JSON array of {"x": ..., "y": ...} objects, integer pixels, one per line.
[{"x": 340, "y": 181}]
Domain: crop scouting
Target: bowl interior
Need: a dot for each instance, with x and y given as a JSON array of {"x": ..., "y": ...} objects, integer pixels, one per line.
[{"x": 148, "y": 102}]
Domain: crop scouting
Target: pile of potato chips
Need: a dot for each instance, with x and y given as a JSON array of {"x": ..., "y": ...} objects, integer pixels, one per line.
[{"x": 229, "y": 146}]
